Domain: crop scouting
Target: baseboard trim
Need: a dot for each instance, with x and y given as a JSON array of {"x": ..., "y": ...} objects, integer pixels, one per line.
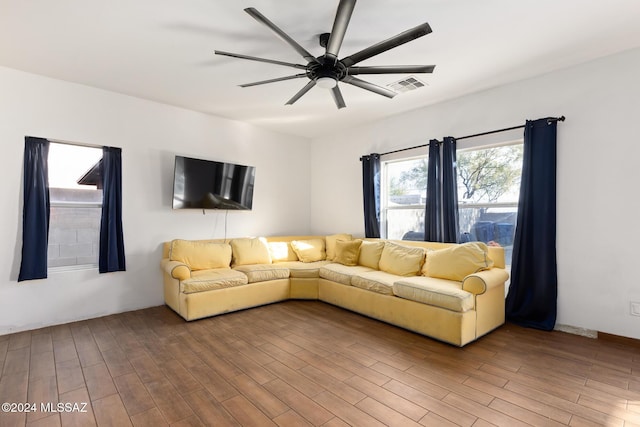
[{"x": 589, "y": 333}]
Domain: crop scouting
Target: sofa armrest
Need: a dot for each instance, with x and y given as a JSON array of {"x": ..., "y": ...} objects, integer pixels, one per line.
[
  {"x": 176, "y": 269},
  {"x": 478, "y": 283}
]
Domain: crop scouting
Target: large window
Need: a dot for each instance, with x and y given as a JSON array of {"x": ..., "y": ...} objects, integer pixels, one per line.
[
  {"x": 75, "y": 189},
  {"x": 488, "y": 190}
]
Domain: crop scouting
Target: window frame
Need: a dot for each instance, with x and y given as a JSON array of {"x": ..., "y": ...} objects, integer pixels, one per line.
[
  {"x": 384, "y": 183},
  {"x": 71, "y": 205},
  {"x": 384, "y": 191}
]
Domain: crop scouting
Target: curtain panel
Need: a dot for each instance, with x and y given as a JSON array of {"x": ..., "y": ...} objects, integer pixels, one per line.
[
  {"x": 532, "y": 298},
  {"x": 371, "y": 194},
  {"x": 111, "y": 252},
  {"x": 35, "y": 211},
  {"x": 433, "y": 206},
  {"x": 450, "y": 222}
]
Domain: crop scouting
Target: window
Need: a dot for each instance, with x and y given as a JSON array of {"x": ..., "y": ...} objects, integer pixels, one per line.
[
  {"x": 403, "y": 198},
  {"x": 488, "y": 191},
  {"x": 75, "y": 189}
]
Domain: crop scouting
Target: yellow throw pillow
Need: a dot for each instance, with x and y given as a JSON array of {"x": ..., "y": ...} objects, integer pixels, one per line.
[
  {"x": 282, "y": 252},
  {"x": 401, "y": 260},
  {"x": 249, "y": 251},
  {"x": 370, "y": 253},
  {"x": 309, "y": 250},
  {"x": 201, "y": 255},
  {"x": 457, "y": 262},
  {"x": 347, "y": 252},
  {"x": 331, "y": 244}
]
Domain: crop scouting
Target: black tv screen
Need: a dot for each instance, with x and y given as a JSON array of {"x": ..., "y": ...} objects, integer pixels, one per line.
[{"x": 206, "y": 184}]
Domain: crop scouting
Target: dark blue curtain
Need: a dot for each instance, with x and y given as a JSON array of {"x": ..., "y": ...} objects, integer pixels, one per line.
[
  {"x": 433, "y": 207},
  {"x": 450, "y": 223},
  {"x": 371, "y": 194},
  {"x": 35, "y": 213},
  {"x": 532, "y": 298},
  {"x": 111, "y": 255}
]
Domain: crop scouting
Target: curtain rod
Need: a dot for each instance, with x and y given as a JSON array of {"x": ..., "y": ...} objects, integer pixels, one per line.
[
  {"x": 62, "y": 141},
  {"x": 549, "y": 120}
]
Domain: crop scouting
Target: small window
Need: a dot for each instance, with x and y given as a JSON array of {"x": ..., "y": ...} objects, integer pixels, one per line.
[
  {"x": 75, "y": 189},
  {"x": 403, "y": 198}
]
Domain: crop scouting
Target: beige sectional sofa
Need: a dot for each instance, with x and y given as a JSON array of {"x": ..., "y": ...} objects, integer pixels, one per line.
[{"x": 453, "y": 293}]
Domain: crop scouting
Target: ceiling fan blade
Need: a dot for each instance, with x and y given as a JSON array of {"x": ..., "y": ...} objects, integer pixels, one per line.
[
  {"x": 278, "y": 79},
  {"x": 369, "y": 86},
  {"x": 255, "y": 58},
  {"x": 337, "y": 97},
  {"x": 302, "y": 91},
  {"x": 284, "y": 36},
  {"x": 391, "y": 69},
  {"x": 340, "y": 24},
  {"x": 383, "y": 46}
]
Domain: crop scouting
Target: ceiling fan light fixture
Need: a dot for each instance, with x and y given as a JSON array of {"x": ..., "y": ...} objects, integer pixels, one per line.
[{"x": 326, "y": 82}]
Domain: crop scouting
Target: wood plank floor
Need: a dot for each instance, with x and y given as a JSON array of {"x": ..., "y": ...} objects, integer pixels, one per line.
[{"x": 306, "y": 363}]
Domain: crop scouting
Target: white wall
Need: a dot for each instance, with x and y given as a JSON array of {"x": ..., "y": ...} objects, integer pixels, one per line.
[
  {"x": 598, "y": 175},
  {"x": 150, "y": 135}
]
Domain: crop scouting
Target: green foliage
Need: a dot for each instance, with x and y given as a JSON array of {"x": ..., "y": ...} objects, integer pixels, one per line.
[
  {"x": 488, "y": 174},
  {"x": 415, "y": 177},
  {"x": 483, "y": 175}
]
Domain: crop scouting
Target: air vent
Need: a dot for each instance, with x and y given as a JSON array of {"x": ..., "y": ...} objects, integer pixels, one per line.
[{"x": 406, "y": 84}]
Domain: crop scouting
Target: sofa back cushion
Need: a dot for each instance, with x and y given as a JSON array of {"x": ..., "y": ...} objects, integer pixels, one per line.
[
  {"x": 370, "y": 253},
  {"x": 457, "y": 262},
  {"x": 200, "y": 255},
  {"x": 310, "y": 250},
  {"x": 401, "y": 260},
  {"x": 347, "y": 252},
  {"x": 331, "y": 244},
  {"x": 249, "y": 251},
  {"x": 282, "y": 252}
]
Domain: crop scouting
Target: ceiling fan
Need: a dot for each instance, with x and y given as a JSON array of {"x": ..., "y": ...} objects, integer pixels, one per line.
[{"x": 327, "y": 70}]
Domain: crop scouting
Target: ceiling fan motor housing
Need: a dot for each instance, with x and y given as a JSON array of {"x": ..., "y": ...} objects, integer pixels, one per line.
[{"x": 316, "y": 70}]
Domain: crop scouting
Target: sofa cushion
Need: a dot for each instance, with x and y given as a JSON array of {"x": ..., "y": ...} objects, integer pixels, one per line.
[
  {"x": 457, "y": 262},
  {"x": 436, "y": 292},
  {"x": 331, "y": 244},
  {"x": 370, "y": 253},
  {"x": 375, "y": 281},
  {"x": 342, "y": 273},
  {"x": 250, "y": 251},
  {"x": 311, "y": 250},
  {"x": 401, "y": 260},
  {"x": 263, "y": 272},
  {"x": 347, "y": 252},
  {"x": 208, "y": 280},
  {"x": 282, "y": 252},
  {"x": 304, "y": 270},
  {"x": 200, "y": 255}
]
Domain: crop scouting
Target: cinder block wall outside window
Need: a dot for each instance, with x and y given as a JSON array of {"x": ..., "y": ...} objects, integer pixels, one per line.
[{"x": 74, "y": 230}]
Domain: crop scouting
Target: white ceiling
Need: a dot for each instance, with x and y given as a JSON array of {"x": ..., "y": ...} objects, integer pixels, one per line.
[{"x": 162, "y": 50}]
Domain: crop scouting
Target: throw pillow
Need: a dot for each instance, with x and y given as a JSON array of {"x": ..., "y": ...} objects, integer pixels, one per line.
[
  {"x": 201, "y": 255},
  {"x": 401, "y": 260},
  {"x": 249, "y": 251},
  {"x": 309, "y": 250},
  {"x": 331, "y": 244},
  {"x": 457, "y": 262},
  {"x": 347, "y": 252},
  {"x": 370, "y": 253}
]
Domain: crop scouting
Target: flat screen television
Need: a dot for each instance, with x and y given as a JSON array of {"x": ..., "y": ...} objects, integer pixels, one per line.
[{"x": 206, "y": 184}]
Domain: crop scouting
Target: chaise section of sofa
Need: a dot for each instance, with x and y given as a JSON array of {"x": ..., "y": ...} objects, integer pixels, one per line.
[{"x": 453, "y": 293}]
